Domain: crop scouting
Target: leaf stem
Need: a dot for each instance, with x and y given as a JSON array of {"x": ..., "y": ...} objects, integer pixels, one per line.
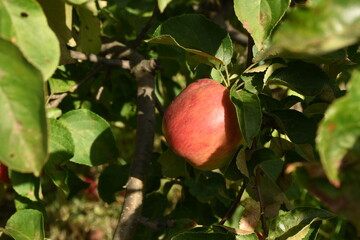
[
  {"x": 222, "y": 76},
  {"x": 261, "y": 200}
]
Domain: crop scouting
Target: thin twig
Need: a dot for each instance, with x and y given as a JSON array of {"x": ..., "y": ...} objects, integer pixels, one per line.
[
  {"x": 125, "y": 64},
  {"x": 56, "y": 100},
  {"x": 261, "y": 200},
  {"x": 233, "y": 206},
  {"x": 146, "y": 28},
  {"x": 156, "y": 225}
]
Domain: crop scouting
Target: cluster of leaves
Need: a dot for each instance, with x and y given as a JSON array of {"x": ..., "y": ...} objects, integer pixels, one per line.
[{"x": 296, "y": 97}]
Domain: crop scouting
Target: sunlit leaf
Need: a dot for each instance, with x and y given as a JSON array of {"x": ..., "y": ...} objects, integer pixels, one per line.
[
  {"x": 22, "y": 22},
  {"x": 25, "y": 184},
  {"x": 93, "y": 139},
  {"x": 89, "y": 33},
  {"x": 27, "y": 224},
  {"x": 260, "y": 17},
  {"x": 320, "y": 28},
  {"x": 248, "y": 110},
  {"x": 23, "y": 126},
  {"x": 162, "y": 4}
]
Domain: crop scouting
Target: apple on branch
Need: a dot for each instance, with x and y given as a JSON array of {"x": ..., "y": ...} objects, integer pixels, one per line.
[{"x": 201, "y": 125}]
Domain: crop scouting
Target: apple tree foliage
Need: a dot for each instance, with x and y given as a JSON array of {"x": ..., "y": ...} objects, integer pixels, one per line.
[{"x": 68, "y": 106}]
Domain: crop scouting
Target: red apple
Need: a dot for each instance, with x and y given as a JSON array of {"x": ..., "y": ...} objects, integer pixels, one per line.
[
  {"x": 4, "y": 174},
  {"x": 201, "y": 125}
]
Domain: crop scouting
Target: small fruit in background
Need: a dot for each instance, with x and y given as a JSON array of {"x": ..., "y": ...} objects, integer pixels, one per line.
[
  {"x": 4, "y": 174},
  {"x": 201, "y": 125}
]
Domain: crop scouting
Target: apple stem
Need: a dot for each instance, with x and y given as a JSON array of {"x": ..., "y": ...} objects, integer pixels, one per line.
[
  {"x": 227, "y": 76},
  {"x": 233, "y": 206},
  {"x": 261, "y": 200},
  {"x": 225, "y": 79}
]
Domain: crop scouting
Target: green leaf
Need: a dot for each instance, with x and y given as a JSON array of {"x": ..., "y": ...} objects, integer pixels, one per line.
[
  {"x": 22, "y": 22},
  {"x": 248, "y": 110},
  {"x": 290, "y": 223},
  {"x": 198, "y": 36},
  {"x": 320, "y": 28},
  {"x": 340, "y": 129},
  {"x": 61, "y": 148},
  {"x": 253, "y": 82},
  {"x": 93, "y": 139},
  {"x": 111, "y": 181},
  {"x": 260, "y": 17},
  {"x": 59, "y": 15},
  {"x": 25, "y": 184},
  {"x": 208, "y": 186},
  {"x": 24, "y": 129},
  {"x": 162, "y": 4},
  {"x": 172, "y": 165},
  {"x": 27, "y": 224},
  {"x": 302, "y": 77},
  {"x": 299, "y": 128},
  {"x": 154, "y": 206},
  {"x": 89, "y": 33}
]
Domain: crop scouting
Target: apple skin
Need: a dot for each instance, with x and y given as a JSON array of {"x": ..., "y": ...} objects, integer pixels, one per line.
[
  {"x": 4, "y": 174},
  {"x": 201, "y": 125}
]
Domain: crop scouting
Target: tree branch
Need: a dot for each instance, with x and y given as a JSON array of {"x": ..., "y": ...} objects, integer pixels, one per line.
[{"x": 131, "y": 211}]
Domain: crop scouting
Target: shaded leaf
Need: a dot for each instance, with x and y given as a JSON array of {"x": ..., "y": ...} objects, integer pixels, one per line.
[
  {"x": 299, "y": 128},
  {"x": 154, "y": 206},
  {"x": 172, "y": 165},
  {"x": 112, "y": 180},
  {"x": 260, "y": 17},
  {"x": 302, "y": 77},
  {"x": 208, "y": 186},
  {"x": 248, "y": 110},
  {"x": 339, "y": 130},
  {"x": 22, "y": 102},
  {"x": 20, "y": 20},
  {"x": 93, "y": 139},
  {"x": 196, "y": 35},
  {"x": 269, "y": 166},
  {"x": 27, "y": 224},
  {"x": 203, "y": 236}
]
